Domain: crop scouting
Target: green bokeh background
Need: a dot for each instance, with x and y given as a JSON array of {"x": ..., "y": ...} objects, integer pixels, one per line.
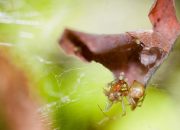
[{"x": 69, "y": 90}]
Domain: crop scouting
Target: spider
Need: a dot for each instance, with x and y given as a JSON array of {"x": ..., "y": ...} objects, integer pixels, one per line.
[{"x": 119, "y": 89}]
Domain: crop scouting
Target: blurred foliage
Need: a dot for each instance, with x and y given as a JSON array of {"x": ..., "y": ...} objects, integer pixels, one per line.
[{"x": 69, "y": 90}]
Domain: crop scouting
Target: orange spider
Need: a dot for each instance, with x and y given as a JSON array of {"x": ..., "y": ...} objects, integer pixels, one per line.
[{"x": 119, "y": 89}]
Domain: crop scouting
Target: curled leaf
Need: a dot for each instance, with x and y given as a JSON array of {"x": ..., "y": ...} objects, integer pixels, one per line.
[{"x": 137, "y": 54}]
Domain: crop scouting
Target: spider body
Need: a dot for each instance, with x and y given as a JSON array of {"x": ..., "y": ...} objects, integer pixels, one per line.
[{"x": 119, "y": 89}]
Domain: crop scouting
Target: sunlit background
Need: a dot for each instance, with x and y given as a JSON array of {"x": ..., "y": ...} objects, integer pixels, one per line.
[{"x": 69, "y": 90}]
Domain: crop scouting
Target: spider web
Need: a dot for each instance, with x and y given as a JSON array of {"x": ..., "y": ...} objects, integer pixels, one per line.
[{"x": 70, "y": 86}]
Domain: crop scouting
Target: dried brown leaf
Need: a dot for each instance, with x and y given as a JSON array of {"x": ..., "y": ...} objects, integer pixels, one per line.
[{"x": 137, "y": 54}]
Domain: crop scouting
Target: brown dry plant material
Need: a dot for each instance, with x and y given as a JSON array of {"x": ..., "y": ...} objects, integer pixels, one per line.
[
  {"x": 137, "y": 54},
  {"x": 16, "y": 106}
]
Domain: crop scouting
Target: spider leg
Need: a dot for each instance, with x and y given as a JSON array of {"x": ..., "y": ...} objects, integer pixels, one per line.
[
  {"x": 106, "y": 92},
  {"x": 103, "y": 111},
  {"x": 123, "y": 107},
  {"x": 130, "y": 100},
  {"x": 132, "y": 103},
  {"x": 141, "y": 101},
  {"x": 111, "y": 83},
  {"x": 127, "y": 98},
  {"x": 108, "y": 106}
]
